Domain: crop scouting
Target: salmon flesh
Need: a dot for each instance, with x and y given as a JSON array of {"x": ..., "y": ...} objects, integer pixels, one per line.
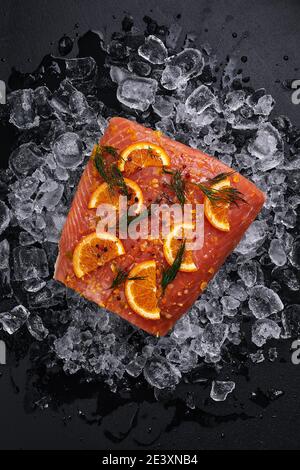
[{"x": 187, "y": 286}]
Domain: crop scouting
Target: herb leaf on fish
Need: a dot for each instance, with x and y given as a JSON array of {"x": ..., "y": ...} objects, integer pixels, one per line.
[
  {"x": 122, "y": 276},
  {"x": 170, "y": 273},
  {"x": 177, "y": 185},
  {"x": 110, "y": 172},
  {"x": 226, "y": 195}
]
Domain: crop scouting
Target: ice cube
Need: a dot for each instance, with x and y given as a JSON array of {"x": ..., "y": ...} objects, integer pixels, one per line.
[
  {"x": 139, "y": 67},
  {"x": 153, "y": 50},
  {"x": 25, "y": 159},
  {"x": 264, "y": 105},
  {"x": 13, "y": 320},
  {"x": 34, "y": 285},
  {"x": 221, "y": 389},
  {"x": 163, "y": 106},
  {"x": 257, "y": 357},
  {"x": 267, "y": 147},
  {"x": 81, "y": 71},
  {"x": 171, "y": 77},
  {"x": 50, "y": 199},
  {"x": 4, "y": 217},
  {"x": 213, "y": 338},
  {"x": 235, "y": 99},
  {"x": 264, "y": 329},
  {"x": 135, "y": 367},
  {"x": 264, "y": 302},
  {"x": 36, "y": 327},
  {"x": 294, "y": 255},
  {"x": 68, "y": 150},
  {"x": 22, "y": 109},
  {"x": 160, "y": 374},
  {"x": 200, "y": 99},
  {"x": 119, "y": 74},
  {"x": 29, "y": 263},
  {"x": 42, "y": 96},
  {"x": 5, "y": 287},
  {"x": 190, "y": 61},
  {"x": 4, "y": 254},
  {"x": 277, "y": 253},
  {"x": 230, "y": 303},
  {"x": 253, "y": 238},
  {"x": 68, "y": 101},
  {"x": 137, "y": 93}
]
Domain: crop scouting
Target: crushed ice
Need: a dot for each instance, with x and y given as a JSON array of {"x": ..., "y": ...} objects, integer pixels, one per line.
[{"x": 177, "y": 92}]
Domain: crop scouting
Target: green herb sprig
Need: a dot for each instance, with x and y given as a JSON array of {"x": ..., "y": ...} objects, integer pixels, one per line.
[
  {"x": 110, "y": 172},
  {"x": 226, "y": 195},
  {"x": 171, "y": 272},
  {"x": 177, "y": 185},
  {"x": 122, "y": 276}
]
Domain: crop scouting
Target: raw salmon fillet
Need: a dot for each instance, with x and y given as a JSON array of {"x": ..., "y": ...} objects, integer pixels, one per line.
[{"x": 187, "y": 286}]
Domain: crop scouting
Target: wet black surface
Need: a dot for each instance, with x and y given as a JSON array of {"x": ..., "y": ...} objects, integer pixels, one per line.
[{"x": 257, "y": 414}]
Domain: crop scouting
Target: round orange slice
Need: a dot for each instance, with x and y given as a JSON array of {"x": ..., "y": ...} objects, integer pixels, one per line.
[
  {"x": 172, "y": 244},
  {"x": 141, "y": 294},
  {"x": 217, "y": 214},
  {"x": 103, "y": 195},
  {"x": 95, "y": 250},
  {"x": 141, "y": 155}
]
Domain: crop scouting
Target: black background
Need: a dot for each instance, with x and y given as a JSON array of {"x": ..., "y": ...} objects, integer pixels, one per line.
[{"x": 268, "y": 33}]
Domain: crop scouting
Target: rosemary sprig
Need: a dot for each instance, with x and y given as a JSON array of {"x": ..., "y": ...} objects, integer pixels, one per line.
[
  {"x": 110, "y": 173},
  {"x": 177, "y": 185},
  {"x": 170, "y": 273},
  {"x": 122, "y": 276},
  {"x": 227, "y": 195}
]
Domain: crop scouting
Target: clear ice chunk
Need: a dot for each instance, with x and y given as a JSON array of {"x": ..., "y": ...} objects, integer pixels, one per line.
[
  {"x": 264, "y": 302},
  {"x": 213, "y": 338},
  {"x": 29, "y": 263},
  {"x": 190, "y": 61},
  {"x": 277, "y": 252},
  {"x": 221, "y": 389},
  {"x": 22, "y": 109},
  {"x": 267, "y": 147},
  {"x": 25, "y": 159},
  {"x": 163, "y": 106},
  {"x": 137, "y": 93},
  {"x": 36, "y": 327},
  {"x": 264, "y": 329},
  {"x": 153, "y": 50},
  {"x": 171, "y": 77},
  {"x": 253, "y": 238},
  {"x": 68, "y": 150},
  {"x": 161, "y": 374},
  {"x": 13, "y": 320},
  {"x": 199, "y": 100},
  {"x": 4, "y": 217},
  {"x": 4, "y": 254}
]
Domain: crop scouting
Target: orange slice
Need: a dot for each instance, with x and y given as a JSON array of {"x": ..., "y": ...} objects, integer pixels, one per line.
[
  {"x": 217, "y": 214},
  {"x": 141, "y": 294},
  {"x": 95, "y": 250},
  {"x": 172, "y": 244},
  {"x": 141, "y": 155},
  {"x": 103, "y": 195}
]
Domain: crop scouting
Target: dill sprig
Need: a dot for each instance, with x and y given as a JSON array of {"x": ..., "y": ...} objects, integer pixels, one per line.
[
  {"x": 122, "y": 276},
  {"x": 170, "y": 273},
  {"x": 177, "y": 185},
  {"x": 110, "y": 172},
  {"x": 226, "y": 195}
]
